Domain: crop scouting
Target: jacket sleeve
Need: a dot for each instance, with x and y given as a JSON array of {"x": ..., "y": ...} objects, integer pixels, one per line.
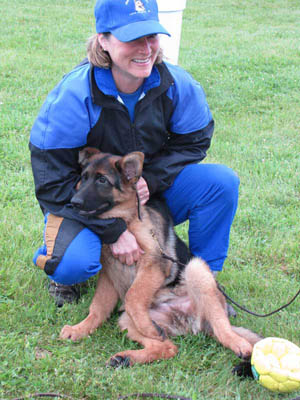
[
  {"x": 190, "y": 130},
  {"x": 57, "y": 135},
  {"x": 179, "y": 151},
  {"x": 56, "y": 173}
]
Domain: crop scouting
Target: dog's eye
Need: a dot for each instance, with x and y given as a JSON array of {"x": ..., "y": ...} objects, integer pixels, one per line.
[{"x": 101, "y": 179}]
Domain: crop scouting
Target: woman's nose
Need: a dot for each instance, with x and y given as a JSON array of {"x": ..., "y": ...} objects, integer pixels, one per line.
[{"x": 145, "y": 44}]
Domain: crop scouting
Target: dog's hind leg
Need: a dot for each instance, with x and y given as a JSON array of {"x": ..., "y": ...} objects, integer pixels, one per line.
[
  {"x": 103, "y": 303},
  {"x": 211, "y": 308},
  {"x": 153, "y": 349},
  {"x": 252, "y": 337},
  {"x": 139, "y": 297}
]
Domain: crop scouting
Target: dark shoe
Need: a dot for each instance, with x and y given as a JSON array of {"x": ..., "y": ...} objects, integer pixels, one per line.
[
  {"x": 243, "y": 370},
  {"x": 63, "y": 293}
]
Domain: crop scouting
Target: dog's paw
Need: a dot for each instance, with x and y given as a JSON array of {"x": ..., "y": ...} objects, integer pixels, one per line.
[
  {"x": 70, "y": 332},
  {"x": 243, "y": 349},
  {"x": 119, "y": 362},
  {"x": 245, "y": 352}
]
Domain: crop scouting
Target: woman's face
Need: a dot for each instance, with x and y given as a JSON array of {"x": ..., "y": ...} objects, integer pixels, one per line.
[{"x": 131, "y": 61}]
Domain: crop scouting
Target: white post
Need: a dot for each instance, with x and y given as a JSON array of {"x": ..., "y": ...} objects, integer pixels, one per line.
[{"x": 170, "y": 15}]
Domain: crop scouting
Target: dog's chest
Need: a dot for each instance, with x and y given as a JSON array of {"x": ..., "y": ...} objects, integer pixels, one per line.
[
  {"x": 121, "y": 275},
  {"x": 128, "y": 274}
]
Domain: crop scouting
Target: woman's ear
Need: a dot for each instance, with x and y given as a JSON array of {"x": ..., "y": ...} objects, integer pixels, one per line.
[{"x": 102, "y": 41}]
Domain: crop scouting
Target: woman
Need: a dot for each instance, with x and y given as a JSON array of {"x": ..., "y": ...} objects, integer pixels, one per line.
[{"x": 123, "y": 99}]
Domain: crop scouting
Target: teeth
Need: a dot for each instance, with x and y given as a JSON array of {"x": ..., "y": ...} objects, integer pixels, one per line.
[{"x": 141, "y": 61}]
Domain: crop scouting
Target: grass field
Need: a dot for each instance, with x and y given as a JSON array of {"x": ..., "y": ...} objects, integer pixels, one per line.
[{"x": 246, "y": 56}]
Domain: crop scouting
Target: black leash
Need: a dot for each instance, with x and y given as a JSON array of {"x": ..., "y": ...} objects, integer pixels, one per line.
[
  {"x": 253, "y": 313},
  {"x": 234, "y": 302},
  {"x": 122, "y": 397},
  {"x": 153, "y": 396}
]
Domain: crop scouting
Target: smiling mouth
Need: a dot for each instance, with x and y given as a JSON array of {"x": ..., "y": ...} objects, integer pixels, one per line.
[
  {"x": 142, "y": 61},
  {"x": 100, "y": 210}
]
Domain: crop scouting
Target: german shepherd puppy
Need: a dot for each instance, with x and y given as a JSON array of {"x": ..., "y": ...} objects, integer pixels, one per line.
[{"x": 160, "y": 298}]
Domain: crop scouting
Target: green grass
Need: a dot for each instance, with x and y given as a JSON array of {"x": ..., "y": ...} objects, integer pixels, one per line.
[{"x": 246, "y": 56}]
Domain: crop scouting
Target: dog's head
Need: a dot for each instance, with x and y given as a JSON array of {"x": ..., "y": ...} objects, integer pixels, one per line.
[{"x": 106, "y": 181}]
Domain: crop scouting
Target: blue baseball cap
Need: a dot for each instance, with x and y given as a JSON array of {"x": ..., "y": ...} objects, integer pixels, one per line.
[{"x": 128, "y": 19}]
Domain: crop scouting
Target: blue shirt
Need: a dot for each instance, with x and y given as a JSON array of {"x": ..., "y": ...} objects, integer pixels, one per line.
[{"x": 130, "y": 100}]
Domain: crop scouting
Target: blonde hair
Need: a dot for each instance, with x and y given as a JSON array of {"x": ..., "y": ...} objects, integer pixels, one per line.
[{"x": 100, "y": 58}]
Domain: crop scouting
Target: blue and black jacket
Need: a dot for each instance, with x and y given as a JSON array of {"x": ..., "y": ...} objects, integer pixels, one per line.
[{"x": 172, "y": 126}]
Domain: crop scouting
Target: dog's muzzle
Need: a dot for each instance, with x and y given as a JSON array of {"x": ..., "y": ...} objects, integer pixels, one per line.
[{"x": 78, "y": 203}]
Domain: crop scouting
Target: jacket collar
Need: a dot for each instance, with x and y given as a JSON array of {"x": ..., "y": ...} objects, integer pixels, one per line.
[{"x": 104, "y": 89}]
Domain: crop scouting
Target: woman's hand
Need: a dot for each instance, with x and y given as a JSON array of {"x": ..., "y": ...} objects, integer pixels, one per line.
[
  {"x": 126, "y": 249},
  {"x": 142, "y": 190}
]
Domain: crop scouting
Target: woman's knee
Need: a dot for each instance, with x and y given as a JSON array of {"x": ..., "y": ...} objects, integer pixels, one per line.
[
  {"x": 70, "y": 253},
  {"x": 209, "y": 179},
  {"x": 227, "y": 182},
  {"x": 201, "y": 185},
  {"x": 81, "y": 259}
]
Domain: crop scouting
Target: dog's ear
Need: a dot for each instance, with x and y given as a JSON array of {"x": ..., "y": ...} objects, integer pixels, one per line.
[
  {"x": 131, "y": 166},
  {"x": 85, "y": 155}
]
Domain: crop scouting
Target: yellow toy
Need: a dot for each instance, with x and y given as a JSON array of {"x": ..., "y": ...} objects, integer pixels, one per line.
[{"x": 275, "y": 364}]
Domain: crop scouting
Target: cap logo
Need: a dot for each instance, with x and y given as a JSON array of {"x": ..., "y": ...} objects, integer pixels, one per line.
[
  {"x": 139, "y": 6},
  {"x": 128, "y": 20}
]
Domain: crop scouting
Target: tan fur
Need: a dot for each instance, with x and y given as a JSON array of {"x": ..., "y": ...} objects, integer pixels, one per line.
[{"x": 192, "y": 306}]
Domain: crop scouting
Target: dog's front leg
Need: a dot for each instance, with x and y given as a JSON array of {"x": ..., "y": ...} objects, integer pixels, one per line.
[
  {"x": 153, "y": 349},
  {"x": 103, "y": 303},
  {"x": 139, "y": 297}
]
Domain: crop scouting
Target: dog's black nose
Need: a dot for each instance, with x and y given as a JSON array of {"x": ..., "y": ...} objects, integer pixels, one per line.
[{"x": 77, "y": 202}]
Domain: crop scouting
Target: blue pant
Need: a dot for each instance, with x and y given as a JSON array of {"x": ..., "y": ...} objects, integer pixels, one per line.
[{"x": 204, "y": 194}]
